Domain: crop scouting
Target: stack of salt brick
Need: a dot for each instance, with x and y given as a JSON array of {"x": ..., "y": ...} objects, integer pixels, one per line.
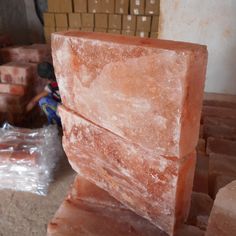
[
  {"x": 131, "y": 117},
  {"x": 18, "y": 78}
]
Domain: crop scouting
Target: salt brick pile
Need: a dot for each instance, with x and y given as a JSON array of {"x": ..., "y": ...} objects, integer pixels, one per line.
[
  {"x": 89, "y": 210},
  {"x": 18, "y": 78},
  {"x": 131, "y": 117}
]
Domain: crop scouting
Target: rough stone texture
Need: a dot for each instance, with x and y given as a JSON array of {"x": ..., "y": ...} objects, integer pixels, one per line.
[
  {"x": 145, "y": 89},
  {"x": 155, "y": 187},
  {"x": 201, "y": 176},
  {"x": 89, "y": 210},
  {"x": 18, "y": 73},
  {"x": 221, "y": 146},
  {"x": 201, "y": 205},
  {"x": 223, "y": 215}
]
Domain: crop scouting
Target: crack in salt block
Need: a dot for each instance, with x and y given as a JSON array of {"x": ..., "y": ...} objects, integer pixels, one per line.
[
  {"x": 155, "y": 187},
  {"x": 89, "y": 210},
  {"x": 144, "y": 90}
]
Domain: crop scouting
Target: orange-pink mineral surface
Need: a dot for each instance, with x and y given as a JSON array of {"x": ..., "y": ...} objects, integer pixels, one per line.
[
  {"x": 131, "y": 117},
  {"x": 146, "y": 91}
]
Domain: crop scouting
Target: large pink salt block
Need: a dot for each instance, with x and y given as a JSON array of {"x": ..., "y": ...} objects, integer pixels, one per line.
[
  {"x": 156, "y": 187},
  {"x": 89, "y": 210},
  {"x": 18, "y": 73},
  {"x": 223, "y": 215},
  {"x": 146, "y": 91}
]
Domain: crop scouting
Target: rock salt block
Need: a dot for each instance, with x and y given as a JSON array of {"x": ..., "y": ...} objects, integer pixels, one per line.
[
  {"x": 13, "y": 89},
  {"x": 215, "y": 103},
  {"x": 145, "y": 88},
  {"x": 220, "y": 164},
  {"x": 32, "y": 53},
  {"x": 223, "y": 122},
  {"x": 201, "y": 176},
  {"x": 155, "y": 187},
  {"x": 223, "y": 215},
  {"x": 189, "y": 230},
  {"x": 89, "y": 210},
  {"x": 219, "y": 131},
  {"x": 201, "y": 131},
  {"x": 17, "y": 73},
  {"x": 221, "y": 146},
  {"x": 221, "y": 112},
  {"x": 221, "y": 181},
  {"x": 201, "y": 205}
]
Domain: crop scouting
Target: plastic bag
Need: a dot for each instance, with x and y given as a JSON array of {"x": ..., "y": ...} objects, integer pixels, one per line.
[{"x": 28, "y": 158}]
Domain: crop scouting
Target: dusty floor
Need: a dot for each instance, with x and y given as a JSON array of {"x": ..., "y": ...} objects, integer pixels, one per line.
[{"x": 26, "y": 214}]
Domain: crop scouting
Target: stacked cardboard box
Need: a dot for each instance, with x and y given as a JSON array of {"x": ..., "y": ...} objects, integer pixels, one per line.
[{"x": 128, "y": 17}]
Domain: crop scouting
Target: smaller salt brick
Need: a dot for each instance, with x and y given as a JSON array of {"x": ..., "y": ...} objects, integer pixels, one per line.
[
  {"x": 219, "y": 131},
  {"x": 221, "y": 112},
  {"x": 215, "y": 103},
  {"x": 89, "y": 210},
  {"x": 17, "y": 73},
  {"x": 220, "y": 164},
  {"x": 221, "y": 181},
  {"x": 201, "y": 176},
  {"x": 223, "y": 215},
  {"x": 13, "y": 89},
  {"x": 33, "y": 53},
  {"x": 155, "y": 187},
  {"x": 145, "y": 88},
  {"x": 221, "y": 146},
  {"x": 223, "y": 122},
  {"x": 201, "y": 205},
  {"x": 201, "y": 146},
  {"x": 189, "y": 230}
]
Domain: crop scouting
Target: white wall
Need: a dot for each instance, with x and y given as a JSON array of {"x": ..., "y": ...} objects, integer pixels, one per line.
[{"x": 210, "y": 22}]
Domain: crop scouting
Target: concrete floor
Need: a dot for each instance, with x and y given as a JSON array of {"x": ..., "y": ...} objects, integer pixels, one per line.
[{"x": 26, "y": 214}]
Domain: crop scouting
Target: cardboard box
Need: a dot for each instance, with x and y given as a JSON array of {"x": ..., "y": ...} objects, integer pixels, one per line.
[
  {"x": 143, "y": 23},
  {"x": 154, "y": 35},
  {"x": 47, "y": 33},
  {"x": 49, "y": 19},
  {"x": 122, "y": 6},
  {"x": 61, "y": 20},
  {"x": 85, "y": 29},
  {"x": 100, "y": 30},
  {"x": 53, "y": 5},
  {"x": 108, "y": 6},
  {"x": 129, "y": 22},
  {"x": 101, "y": 20},
  {"x": 114, "y": 31},
  {"x": 128, "y": 32},
  {"x": 65, "y": 6},
  {"x": 80, "y": 6},
  {"x": 155, "y": 23},
  {"x": 137, "y": 7},
  {"x": 142, "y": 34},
  {"x": 87, "y": 20},
  {"x": 75, "y": 20},
  {"x": 114, "y": 21},
  {"x": 94, "y": 6},
  {"x": 59, "y": 29},
  {"x": 152, "y": 7}
]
